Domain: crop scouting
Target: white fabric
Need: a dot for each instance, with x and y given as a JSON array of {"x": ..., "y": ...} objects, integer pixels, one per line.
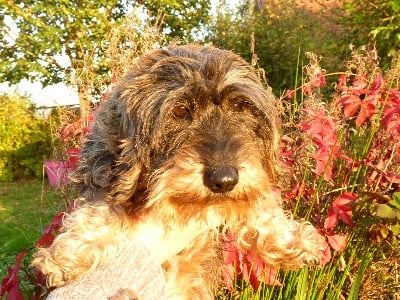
[{"x": 134, "y": 269}]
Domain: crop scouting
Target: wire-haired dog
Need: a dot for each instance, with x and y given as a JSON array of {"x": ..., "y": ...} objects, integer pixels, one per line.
[{"x": 183, "y": 150}]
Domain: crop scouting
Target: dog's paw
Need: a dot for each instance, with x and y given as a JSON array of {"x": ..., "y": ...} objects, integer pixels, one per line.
[
  {"x": 55, "y": 275},
  {"x": 284, "y": 242},
  {"x": 312, "y": 244}
]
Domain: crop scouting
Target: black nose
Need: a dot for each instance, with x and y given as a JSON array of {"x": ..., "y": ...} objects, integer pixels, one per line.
[{"x": 221, "y": 179}]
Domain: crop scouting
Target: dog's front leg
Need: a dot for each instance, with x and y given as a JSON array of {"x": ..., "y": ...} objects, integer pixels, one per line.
[{"x": 282, "y": 241}]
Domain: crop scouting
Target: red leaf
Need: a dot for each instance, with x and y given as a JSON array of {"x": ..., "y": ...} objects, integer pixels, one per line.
[
  {"x": 342, "y": 82},
  {"x": 246, "y": 265},
  {"x": 319, "y": 80},
  {"x": 376, "y": 84},
  {"x": 367, "y": 109},
  {"x": 393, "y": 178},
  {"x": 289, "y": 94},
  {"x": 344, "y": 199},
  {"x": 350, "y": 105},
  {"x": 270, "y": 274},
  {"x": 10, "y": 284},
  {"x": 68, "y": 129},
  {"x": 391, "y": 113},
  {"x": 359, "y": 85},
  {"x": 51, "y": 230},
  {"x": 331, "y": 220},
  {"x": 337, "y": 242},
  {"x": 326, "y": 256},
  {"x": 340, "y": 210}
]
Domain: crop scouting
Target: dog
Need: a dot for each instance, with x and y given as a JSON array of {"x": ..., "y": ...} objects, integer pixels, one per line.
[{"x": 184, "y": 151}]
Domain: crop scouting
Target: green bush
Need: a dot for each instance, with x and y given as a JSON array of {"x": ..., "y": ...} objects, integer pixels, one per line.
[
  {"x": 24, "y": 139},
  {"x": 374, "y": 22}
]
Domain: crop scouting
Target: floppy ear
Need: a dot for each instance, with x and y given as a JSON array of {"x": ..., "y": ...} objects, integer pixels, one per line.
[
  {"x": 109, "y": 167},
  {"x": 115, "y": 152}
]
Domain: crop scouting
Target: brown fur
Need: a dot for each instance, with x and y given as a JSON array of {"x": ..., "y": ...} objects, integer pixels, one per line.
[{"x": 174, "y": 119}]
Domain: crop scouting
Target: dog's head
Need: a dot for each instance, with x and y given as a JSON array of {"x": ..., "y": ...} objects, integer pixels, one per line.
[{"x": 190, "y": 125}]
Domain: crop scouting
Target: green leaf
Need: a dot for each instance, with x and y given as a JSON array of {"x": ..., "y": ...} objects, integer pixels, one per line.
[
  {"x": 396, "y": 229},
  {"x": 396, "y": 200},
  {"x": 385, "y": 211},
  {"x": 395, "y": 6}
]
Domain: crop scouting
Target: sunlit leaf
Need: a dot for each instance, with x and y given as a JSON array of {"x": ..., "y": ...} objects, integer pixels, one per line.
[{"x": 385, "y": 211}]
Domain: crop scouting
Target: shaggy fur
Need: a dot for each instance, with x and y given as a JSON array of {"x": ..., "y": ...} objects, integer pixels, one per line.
[{"x": 184, "y": 149}]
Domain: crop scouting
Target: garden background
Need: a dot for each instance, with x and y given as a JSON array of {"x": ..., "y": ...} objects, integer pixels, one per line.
[{"x": 333, "y": 65}]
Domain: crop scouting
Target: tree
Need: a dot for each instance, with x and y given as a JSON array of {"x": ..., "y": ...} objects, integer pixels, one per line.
[
  {"x": 283, "y": 32},
  {"x": 374, "y": 22},
  {"x": 77, "y": 29}
]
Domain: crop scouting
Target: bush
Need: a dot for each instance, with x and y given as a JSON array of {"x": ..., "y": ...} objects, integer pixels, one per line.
[
  {"x": 374, "y": 22},
  {"x": 24, "y": 139}
]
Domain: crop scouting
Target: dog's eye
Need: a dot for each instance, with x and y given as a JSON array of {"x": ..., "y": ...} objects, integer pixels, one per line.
[
  {"x": 241, "y": 105},
  {"x": 181, "y": 112}
]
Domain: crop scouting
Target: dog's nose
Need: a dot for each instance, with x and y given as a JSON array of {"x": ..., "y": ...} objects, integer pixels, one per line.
[{"x": 221, "y": 179}]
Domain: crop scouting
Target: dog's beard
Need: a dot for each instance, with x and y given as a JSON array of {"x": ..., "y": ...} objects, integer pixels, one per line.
[{"x": 177, "y": 189}]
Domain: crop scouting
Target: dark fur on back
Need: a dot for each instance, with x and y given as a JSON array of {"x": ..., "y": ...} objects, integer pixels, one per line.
[{"x": 136, "y": 131}]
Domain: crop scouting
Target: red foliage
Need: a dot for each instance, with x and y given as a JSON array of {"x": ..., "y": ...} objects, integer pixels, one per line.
[
  {"x": 72, "y": 137},
  {"x": 321, "y": 128},
  {"x": 245, "y": 265},
  {"x": 341, "y": 209},
  {"x": 391, "y": 115},
  {"x": 51, "y": 231},
  {"x": 360, "y": 99},
  {"x": 10, "y": 284}
]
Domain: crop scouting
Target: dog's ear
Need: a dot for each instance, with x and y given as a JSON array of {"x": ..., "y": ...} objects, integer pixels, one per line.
[
  {"x": 108, "y": 166},
  {"x": 116, "y": 152}
]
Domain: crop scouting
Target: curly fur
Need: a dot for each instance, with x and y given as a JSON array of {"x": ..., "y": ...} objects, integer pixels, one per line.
[{"x": 177, "y": 116}]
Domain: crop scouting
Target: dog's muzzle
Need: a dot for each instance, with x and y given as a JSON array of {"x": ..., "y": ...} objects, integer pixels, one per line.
[{"x": 222, "y": 178}]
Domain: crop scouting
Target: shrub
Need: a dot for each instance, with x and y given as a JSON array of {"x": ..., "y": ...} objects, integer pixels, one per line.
[
  {"x": 375, "y": 22},
  {"x": 24, "y": 139}
]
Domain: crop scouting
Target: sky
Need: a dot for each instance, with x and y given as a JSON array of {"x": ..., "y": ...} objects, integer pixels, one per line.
[{"x": 53, "y": 95}]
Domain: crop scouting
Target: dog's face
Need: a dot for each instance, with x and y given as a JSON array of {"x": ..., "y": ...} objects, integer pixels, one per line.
[{"x": 191, "y": 126}]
